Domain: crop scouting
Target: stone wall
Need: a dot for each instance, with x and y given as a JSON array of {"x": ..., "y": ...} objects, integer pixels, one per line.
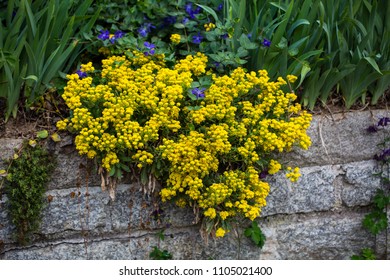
[{"x": 319, "y": 217}]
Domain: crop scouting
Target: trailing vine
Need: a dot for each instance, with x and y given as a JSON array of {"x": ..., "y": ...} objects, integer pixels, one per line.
[{"x": 376, "y": 220}]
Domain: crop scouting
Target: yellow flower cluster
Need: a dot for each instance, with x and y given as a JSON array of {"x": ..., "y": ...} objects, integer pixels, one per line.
[
  {"x": 212, "y": 149},
  {"x": 209, "y": 26},
  {"x": 175, "y": 38},
  {"x": 293, "y": 174},
  {"x": 193, "y": 64},
  {"x": 220, "y": 232}
]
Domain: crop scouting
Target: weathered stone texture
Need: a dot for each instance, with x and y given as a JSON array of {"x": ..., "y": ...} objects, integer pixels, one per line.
[
  {"x": 340, "y": 138},
  {"x": 318, "y": 217},
  {"x": 314, "y": 191}
]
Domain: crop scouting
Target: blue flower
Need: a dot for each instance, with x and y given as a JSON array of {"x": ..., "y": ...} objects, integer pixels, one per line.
[
  {"x": 220, "y": 7},
  {"x": 199, "y": 93},
  {"x": 266, "y": 43},
  {"x": 145, "y": 29},
  {"x": 188, "y": 8},
  {"x": 185, "y": 20},
  {"x": 104, "y": 35},
  {"x": 81, "y": 74},
  {"x": 192, "y": 12},
  {"x": 197, "y": 39},
  {"x": 224, "y": 36},
  {"x": 118, "y": 34},
  {"x": 150, "y": 48}
]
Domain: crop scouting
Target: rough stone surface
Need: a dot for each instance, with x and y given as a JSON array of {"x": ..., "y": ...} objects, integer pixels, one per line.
[
  {"x": 314, "y": 191},
  {"x": 318, "y": 217},
  {"x": 360, "y": 184},
  {"x": 340, "y": 138},
  {"x": 7, "y": 149},
  {"x": 329, "y": 235}
]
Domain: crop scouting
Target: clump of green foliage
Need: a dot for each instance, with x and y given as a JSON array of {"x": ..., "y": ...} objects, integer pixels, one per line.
[
  {"x": 366, "y": 254},
  {"x": 28, "y": 174}
]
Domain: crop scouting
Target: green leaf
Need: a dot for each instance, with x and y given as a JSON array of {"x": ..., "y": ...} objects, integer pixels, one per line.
[
  {"x": 124, "y": 167},
  {"x": 42, "y": 134},
  {"x": 210, "y": 11},
  {"x": 193, "y": 108},
  {"x": 246, "y": 43},
  {"x": 255, "y": 233},
  {"x": 373, "y": 64},
  {"x": 144, "y": 176},
  {"x": 112, "y": 171},
  {"x": 31, "y": 77}
]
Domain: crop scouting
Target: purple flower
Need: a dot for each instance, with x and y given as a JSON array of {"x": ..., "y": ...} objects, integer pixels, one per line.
[
  {"x": 266, "y": 43},
  {"x": 199, "y": 93},
  {"x": 372, "y": 129},
  {"x": 224, "y": 36},
  {"x": 150, "y": 48},
  {"x": 185, "y": 20},
  {"x": 383, "y": 121},
  {"x": 104, "y": 35},
  {"x": 220, "y": 7},
  {"x": 197, "y": 39},
  {"x": 383, "y": 156},
  {"x": 145, "y": 29},
  {"x": 188, "y": 8},
  {"x": 190, "y": 11},
  {"x": 81, "y": 74},
  {"x": 264, "y": 174},
  {"x": 118, "y": 34}
]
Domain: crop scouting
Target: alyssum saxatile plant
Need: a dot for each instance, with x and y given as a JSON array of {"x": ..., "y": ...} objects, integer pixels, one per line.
[{"x": 209, "y": 139}]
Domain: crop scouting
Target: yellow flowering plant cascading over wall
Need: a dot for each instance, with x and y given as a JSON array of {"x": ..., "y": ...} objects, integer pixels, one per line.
[{"x": 208, "y": 139}]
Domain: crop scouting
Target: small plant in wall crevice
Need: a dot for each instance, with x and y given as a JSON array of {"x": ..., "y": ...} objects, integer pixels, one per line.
[{"x": 27, "y": 175}]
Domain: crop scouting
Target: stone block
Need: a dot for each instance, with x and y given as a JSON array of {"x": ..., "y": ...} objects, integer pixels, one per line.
[
  {"x": 314, "y": 191},
  {"x": 339, "y": 138},
  {"x": 320, "y": 236},
  {"x": 360, "y": 183}
]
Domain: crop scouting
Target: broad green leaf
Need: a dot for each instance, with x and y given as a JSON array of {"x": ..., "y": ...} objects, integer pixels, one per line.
[
  {"x": 42, "y": 134},
  {"x": 112, "y": 171},
  {"x": 246, "y": 43},
  {"x": 210, "y": 11},
  {"x": 373, "y": 64}
]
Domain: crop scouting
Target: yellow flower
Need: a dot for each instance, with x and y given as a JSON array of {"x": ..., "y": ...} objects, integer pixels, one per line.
[
  {"x": 175, "y": 38},
  {"x": 62, "y": 124},
  {"x": 220, "y": 232},
  {"x": 210, "y": 213},
  {"x": 293, "y": 174},
  {"x": 223, "y": 214},
  {"x": 274, "y": 166},
  {"x": 291, "y": 78},
  {"x": 209, "y": 26}
]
